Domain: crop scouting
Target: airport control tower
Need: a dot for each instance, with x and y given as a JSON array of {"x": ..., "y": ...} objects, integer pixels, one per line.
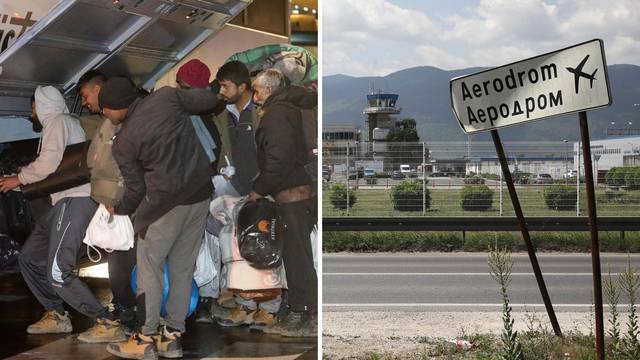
[{"x": 380, "y": 120}]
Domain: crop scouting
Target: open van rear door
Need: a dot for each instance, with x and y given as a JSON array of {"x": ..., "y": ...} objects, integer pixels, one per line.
[{"x": 141, "y": 39}]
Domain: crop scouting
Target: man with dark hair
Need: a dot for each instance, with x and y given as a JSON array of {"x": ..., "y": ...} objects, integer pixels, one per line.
[
  {"x": 168, "y": 186},
  {"x": 49, "y": 258},
  {"x": 281, "y": 159},
  {"x": 89, "y": 86},
  {"x": 107, "y": 187},
  {"x": 35, "y": 123},
  {"x": 237, "y": 126}
]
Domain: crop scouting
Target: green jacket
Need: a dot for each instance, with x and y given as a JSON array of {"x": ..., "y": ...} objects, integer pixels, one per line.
[{"x": 107, "y": 185}]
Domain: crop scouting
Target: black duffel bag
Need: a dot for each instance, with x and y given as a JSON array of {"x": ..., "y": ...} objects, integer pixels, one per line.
[
  {"x": 71, "y": 172},
  {"x": 256, "y": 230}
]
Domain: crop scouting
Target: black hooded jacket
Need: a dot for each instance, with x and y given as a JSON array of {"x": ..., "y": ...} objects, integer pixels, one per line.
[
  {"x": 280, "y": 141},
  {"x": 159, "y": 155}
]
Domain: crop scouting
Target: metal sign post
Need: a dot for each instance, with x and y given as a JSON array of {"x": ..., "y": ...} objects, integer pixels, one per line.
[
  {"x": 525, "y": 232},
  {"x": 593, "y": 234},
  {"x": 565, "y": 81}
]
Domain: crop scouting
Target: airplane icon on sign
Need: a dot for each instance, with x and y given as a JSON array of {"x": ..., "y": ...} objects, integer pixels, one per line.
[{"x": 577, "y": 73}]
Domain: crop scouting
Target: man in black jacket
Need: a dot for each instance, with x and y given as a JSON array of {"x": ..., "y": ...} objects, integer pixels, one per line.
[
  {"x": 281, "y": 163},
  {"x": 168, "y": 187}
]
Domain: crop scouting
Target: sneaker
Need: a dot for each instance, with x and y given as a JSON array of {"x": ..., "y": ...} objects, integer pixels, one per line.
[
  {"x": 241, "y": 315},
  {"x": 203, "y": 314},
  {"x": 308, "y": 327},
  {"x": 127, "y": 317},
  {"x": 169, "y": 344},
  {"x": 51, "y": 323},
  {"x": 104, "y": 331},
  {"x": 218, "y": 311},
  {"x": 295, "y": 324},
  {"x": 137, "y": 347},
  {"x": 263, "y": 319}
]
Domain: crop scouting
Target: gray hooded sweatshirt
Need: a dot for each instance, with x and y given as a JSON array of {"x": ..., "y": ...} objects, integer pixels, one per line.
[{"x": 59, "y": 129}]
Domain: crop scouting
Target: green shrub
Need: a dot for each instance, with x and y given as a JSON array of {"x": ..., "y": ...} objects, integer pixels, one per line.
[
  {"x": 339, "y": 197},
  {"x": 560, "y": 197},
  {"x": 476, "y": 198},
  {"x": 632, "y": 177},
  {"x": 475, "y": 179},
  {"x": 491, "y": 176},
  {"x": 521, "y": 177},
  {"x": 615, "y": 177},
  {"x": 407, "y": 196}
]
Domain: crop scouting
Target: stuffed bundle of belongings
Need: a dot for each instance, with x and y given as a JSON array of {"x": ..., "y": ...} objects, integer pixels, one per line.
[{"x": 237, "y": 272}]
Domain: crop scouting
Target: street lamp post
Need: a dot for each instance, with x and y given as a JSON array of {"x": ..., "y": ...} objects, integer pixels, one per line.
[{"x": 566, "y": 162}]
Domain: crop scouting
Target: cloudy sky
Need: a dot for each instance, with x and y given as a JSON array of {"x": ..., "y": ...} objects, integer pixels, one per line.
[{"x": 377, "y": 37}]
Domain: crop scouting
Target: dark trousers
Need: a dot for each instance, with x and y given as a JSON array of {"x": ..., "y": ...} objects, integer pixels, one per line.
[
  {"x": 121, "y": 265},
  {"x": 296, "y": 223},
  {"x": 49, "y": 257}
]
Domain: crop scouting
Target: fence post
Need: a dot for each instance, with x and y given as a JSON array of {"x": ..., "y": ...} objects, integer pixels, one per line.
[
  {"x": 424, "y": 183},
  {"x": 348, "y": 174},
  {"x": 578, "y": 183},
  {"x": 500, "y": 193}
]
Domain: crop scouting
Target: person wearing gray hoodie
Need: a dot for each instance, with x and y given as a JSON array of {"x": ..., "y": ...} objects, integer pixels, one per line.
[{"x": 48, "y": 258}]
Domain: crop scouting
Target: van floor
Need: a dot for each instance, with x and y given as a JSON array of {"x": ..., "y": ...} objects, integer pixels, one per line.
[{"x": 18, "y": 309}]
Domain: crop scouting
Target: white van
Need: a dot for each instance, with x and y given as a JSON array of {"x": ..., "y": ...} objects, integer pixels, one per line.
[{"x": 405, "y": 169}]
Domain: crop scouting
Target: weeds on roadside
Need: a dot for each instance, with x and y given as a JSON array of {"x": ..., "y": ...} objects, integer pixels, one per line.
[
  {"x": 500, "y": 265},
  {"x": 612, "y": 295},
  {"x": 629, "y": 283}
]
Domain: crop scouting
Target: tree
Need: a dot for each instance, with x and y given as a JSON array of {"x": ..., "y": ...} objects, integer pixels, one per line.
[{"x": 404, "y": 146}]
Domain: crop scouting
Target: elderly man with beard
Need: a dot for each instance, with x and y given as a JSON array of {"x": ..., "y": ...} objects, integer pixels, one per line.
[{"x": 282, "y": 158}]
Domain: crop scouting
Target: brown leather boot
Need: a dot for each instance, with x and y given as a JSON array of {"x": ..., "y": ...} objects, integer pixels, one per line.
[
  {"x": 104, "y": 331},
  {"x": 51, "y": 323},
  {"x": 137, "y": 347}
]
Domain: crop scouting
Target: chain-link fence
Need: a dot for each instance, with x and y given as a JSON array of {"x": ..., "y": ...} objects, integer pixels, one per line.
[{"x": 465, "y": 179}]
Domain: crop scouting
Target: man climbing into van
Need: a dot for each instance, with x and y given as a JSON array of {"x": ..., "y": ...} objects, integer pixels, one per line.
[{"x": 49, "y": 257}]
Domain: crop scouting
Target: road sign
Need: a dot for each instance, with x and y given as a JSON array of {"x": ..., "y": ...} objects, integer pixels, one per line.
[{"x": 564, "y": 81}]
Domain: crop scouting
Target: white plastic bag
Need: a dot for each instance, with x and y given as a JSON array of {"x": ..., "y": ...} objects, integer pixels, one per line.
[
  {"x": 223, "y": 186},
  {"x": 314, "y": 246},
  {"x": 108, "y": 232},
  {"x": 205, "y": 270}
]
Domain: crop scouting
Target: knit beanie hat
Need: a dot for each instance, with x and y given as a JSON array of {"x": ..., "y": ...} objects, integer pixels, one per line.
[
  {"x": 195, "y": 73},
  {"x": 117, "y": 93}
]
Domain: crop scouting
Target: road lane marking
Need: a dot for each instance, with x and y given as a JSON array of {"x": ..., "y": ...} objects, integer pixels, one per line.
[
  {"x": 459, "y": 274},
  {"x": 349, "y": 305}
]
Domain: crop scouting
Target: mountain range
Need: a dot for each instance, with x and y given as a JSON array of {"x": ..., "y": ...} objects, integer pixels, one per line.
[{"x": 424, "y": 96}]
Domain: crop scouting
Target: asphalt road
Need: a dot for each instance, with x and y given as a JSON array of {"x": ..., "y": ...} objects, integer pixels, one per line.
[{"x": 457, "y": 282}]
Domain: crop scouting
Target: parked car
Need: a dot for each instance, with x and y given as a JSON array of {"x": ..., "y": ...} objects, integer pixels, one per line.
[
  {"x": 570, "y": 174},
  {"x": 370, "y": 176},
  {"x": 405, "y": 169},
  {"x": 397, "y": 175},
  {"x": 326, "y": 173},
  {"x": 543, "y": 179}
]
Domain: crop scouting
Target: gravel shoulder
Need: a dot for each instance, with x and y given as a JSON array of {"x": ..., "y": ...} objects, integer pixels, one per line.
[{"x": 407, "y": 335}]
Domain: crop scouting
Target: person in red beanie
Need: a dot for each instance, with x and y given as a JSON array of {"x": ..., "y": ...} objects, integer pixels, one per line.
[{"x": 195, "y": 74}]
